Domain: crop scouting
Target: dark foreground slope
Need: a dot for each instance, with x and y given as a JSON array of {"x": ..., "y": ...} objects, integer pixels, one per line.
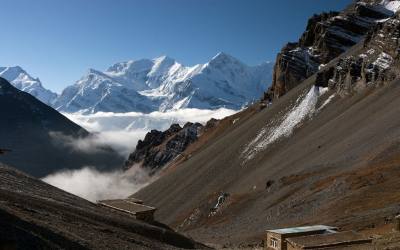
[
  {"x": 41, "y": 139},
  {"x": 35, "y": 215}
]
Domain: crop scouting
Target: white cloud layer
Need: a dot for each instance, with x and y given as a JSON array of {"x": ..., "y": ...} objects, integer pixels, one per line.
[
  {"x": 93, "y": 185},
  {"x": 108, "y": 121},
  {"x": 121, "y": 131}
]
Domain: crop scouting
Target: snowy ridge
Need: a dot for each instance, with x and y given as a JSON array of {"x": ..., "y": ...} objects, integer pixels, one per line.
[
  {"x": 20, "y": 79},
  {"x": 162, "y": 84},
  {"x": 304, "y": 107}
]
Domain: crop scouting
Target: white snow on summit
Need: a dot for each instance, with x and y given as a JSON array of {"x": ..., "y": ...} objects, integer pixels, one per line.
[
  {"x": 20, "y": 79},
  {"x": 162, "y": 84}
]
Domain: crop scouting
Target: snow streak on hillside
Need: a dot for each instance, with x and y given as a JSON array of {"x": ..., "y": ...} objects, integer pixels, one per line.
[{"x": 305, "y": 107}]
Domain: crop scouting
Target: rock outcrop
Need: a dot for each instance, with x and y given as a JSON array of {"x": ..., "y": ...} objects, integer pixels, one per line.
[
  {"x": 327, "y": 36},
  {"x": 158, "y": 148},
  {"x": 371, "y": 66}
]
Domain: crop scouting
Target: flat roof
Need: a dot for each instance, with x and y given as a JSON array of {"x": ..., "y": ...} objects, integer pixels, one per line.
[
  {"x": 304, "y": 229},
  {"x": 134, "y": 200},
  {"x": 327, "y": 240},
  {"x": 126, "y": 205}
]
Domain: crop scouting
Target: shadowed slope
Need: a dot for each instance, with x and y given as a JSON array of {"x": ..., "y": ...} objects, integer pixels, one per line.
[
  {"x": 26, "y": 129},
  {"x": 35, "y": 215}
]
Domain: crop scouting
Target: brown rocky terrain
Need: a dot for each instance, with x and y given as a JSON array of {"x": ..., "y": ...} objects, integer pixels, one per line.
[
  {"x": 327, "y": 36},
  {"x": 337, "y": 166}
]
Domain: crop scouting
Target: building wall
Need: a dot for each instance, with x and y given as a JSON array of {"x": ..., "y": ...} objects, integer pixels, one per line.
[
  {"x": 145, "y": 216},
  {"x": 292, "y": 247},
  {"x": 281, "y": 238},
  {"x": 279, "y": 242}
]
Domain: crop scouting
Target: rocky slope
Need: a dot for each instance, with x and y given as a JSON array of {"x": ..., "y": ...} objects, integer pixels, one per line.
[
  {"x": 163, "y": 84},
  {"x": 327, "y": 36},
  {"x": 42, "y": 137},
  {"x": 23, "y": 81},
  {"x": 376, "y": 64},
  {"x": 326, "y": 152},
  {"x": 160, "y": 148},
  {"x": 35, "y": 215}
]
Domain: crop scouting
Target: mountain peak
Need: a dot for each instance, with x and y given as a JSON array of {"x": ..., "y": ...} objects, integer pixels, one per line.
[
  {"x": 224, "y": 58},
  {"x": 20, "y": 79},
  {"x": 12, "y": 72},
  {"x": 130, "y": 66},
  {"x": 161, "y": 65},
  {"x": 163, "y": 60},
  {"x": 222, "y": 55}
]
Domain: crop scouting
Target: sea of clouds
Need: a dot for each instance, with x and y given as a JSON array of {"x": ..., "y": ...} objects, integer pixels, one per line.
[{"x": 121, "y": 131}]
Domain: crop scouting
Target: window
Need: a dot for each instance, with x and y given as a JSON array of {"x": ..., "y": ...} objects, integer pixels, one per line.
[{"x": 274, "y": 243}]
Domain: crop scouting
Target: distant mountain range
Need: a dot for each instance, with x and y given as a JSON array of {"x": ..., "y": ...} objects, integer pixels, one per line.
[{"x": 159, "y": 84}]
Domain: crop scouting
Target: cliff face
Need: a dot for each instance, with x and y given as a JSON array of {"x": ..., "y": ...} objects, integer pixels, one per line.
[
  {"x": 327, "y": 36},
  {"x": 375, "y": 64},
  {"x": 158, "y": 148}
]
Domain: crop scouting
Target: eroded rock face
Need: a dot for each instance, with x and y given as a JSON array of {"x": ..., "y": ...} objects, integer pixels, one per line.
[
  {"x": 327, "y": 36},
  {"x": 375, "y": 64},
  {"x": 158, "y": 148}
]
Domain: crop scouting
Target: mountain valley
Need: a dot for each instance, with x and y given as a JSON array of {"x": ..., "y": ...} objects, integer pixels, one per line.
[{"x": 223, "y": 151}]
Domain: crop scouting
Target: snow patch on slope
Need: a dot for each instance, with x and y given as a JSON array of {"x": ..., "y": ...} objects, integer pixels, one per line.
[
  {"x": 304, "y": 108},
  {"x": 383, "y": 61}
]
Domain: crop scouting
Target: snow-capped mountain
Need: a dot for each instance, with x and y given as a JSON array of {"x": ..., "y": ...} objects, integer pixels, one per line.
[
  {"x": 23, "y": 81},
  {"x": 163, "y": 84}
]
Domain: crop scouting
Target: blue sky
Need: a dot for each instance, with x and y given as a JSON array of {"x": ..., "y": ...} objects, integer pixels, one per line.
[{"x": 58, "y": 41}]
